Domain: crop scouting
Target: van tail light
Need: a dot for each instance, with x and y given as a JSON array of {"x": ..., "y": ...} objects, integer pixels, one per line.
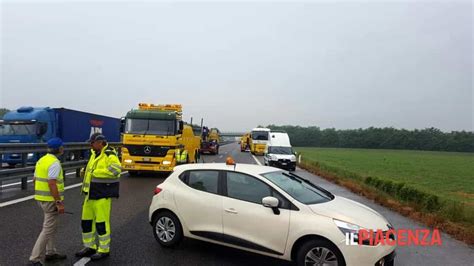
[{"x": 157, "y": 190}]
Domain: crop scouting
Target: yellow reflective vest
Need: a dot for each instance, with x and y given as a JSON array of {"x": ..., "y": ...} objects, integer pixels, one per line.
[
  {"x": 42, "y": 192},
  {"x": 101, "y": 179},
  {"x": 181, "y": 157}
]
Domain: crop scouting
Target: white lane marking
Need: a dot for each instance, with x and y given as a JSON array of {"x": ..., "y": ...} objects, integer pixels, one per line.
[
  {"x": 256, "y": 159},
  {"x": 220, "y": 156},
  {"x": 82, "y": 261},
  {"x": 11, "y": 202},
  {"x": 29, "y": 181}
]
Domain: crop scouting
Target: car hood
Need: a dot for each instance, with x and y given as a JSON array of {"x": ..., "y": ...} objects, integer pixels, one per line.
[{"x": 350, "y": 211}]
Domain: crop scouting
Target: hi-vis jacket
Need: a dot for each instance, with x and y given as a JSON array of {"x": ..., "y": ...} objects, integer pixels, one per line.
[
  {"x": 42, "y": 192},
  {"x": 101, "y": 179}
]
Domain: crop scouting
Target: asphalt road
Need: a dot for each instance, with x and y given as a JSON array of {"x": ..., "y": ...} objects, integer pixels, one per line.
[{"x": 132, "y": 238}]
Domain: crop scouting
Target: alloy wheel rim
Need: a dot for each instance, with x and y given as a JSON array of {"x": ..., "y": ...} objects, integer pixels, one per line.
[
  {"x": 320, "y": 256},
  {"x": 165, "y": 229}
]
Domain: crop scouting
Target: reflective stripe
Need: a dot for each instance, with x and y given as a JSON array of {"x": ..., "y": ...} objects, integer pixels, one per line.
[
  {"x": 46, "y": 193},
  {"x": 104, "y": 246},
  {"x": 40, "y": 179},
  {"x": 104, "y": 238},
  {"x": 89, "y": 245},
  {"x": 88, "y": 235},
  {"x": 105, "y": 180},
  {"x": 118, "y": 166},
  {"x": 113, "y": 170}
]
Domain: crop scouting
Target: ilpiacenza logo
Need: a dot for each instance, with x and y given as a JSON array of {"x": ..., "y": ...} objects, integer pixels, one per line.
[{"x": 392, "y": 237}]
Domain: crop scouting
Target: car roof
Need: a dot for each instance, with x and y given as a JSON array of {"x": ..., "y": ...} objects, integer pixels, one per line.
[{"x": 253, "y": 169}]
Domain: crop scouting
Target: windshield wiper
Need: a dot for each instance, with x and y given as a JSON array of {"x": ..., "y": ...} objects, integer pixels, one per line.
[{"x": 329, "y": 194}]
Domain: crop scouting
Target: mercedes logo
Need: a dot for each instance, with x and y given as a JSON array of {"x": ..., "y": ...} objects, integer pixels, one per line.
[{"x": 147, "y": 149}]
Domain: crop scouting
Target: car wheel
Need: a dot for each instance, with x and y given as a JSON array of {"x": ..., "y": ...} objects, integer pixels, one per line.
[
  {"x": 319, "y": 252},
  {"x": 167, "y": 229}
]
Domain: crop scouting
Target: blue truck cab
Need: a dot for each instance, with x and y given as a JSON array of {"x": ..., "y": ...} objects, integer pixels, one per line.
[{"x": 39, "y": 124}]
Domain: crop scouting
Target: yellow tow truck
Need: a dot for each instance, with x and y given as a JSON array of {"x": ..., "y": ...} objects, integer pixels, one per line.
[{"x": 156, "y": 139}]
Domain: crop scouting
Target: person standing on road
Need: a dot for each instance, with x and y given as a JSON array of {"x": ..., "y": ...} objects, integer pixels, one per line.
[
  {"x": 49, "y": 189},
  {"x": 100, "y": 185}
]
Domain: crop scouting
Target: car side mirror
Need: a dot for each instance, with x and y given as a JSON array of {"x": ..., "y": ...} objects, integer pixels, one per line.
[{"x": 271, "y": 202}]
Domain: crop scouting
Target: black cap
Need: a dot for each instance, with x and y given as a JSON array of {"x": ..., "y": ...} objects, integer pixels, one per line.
[{"x": 96, "y": 136}]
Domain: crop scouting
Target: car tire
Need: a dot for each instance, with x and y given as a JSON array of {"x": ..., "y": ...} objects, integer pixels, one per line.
[
  {"x": 317, "y": 248},
  {"x": 167, "y": 222}
]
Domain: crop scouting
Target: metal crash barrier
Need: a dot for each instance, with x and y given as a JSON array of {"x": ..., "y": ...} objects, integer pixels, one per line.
[{"x": 74, "y": 158}]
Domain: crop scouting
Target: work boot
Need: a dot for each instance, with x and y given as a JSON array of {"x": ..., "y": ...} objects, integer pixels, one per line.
[
  {"x": 56, "y": 256},
  {"x": 85, "y": 252},
  {"x": 99, "y": 256}
]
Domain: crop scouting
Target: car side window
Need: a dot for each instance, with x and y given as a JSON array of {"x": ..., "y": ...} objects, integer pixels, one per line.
[
  {"x": 206, "y": 181},
  {"x": 247, "y": 188}
]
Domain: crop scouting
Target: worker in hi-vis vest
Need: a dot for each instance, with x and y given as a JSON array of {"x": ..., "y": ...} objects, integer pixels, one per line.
[
  {"x": 100, "y": 185},
  {"x": 49, "y": 189}
]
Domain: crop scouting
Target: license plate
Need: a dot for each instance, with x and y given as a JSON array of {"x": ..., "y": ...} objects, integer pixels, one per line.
[{"x": 146, "y": 159}]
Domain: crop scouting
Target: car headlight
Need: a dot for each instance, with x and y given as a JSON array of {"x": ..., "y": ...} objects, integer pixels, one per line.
[
  {"x": 346, "y": 227},
  {"x": 166, "y": 162},
  {"x": 128, "y": 161}
]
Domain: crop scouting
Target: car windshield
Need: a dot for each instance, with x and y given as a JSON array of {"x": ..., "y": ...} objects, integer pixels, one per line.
[
  {"x": 11, "y": 129},
  {"x": 299, "y": 188},
  {"x": 280, "y": 150},
  {"x": 260, "y": 135},
  {"x": 153, "y": 127}
]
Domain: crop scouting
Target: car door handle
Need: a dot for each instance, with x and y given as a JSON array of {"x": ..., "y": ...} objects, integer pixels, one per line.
[{"x": 231, "y": 210}]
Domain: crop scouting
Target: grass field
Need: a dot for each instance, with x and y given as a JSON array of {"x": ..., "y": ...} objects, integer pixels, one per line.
[
  {"x": 448, "y": 175},
  {"x": 435, "y": 188}
]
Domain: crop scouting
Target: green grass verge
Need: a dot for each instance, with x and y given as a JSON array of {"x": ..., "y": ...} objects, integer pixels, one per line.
[{"x": 436, "y": 182}]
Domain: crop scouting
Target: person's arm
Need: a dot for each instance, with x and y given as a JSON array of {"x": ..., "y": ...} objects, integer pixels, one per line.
[{"x": 53, "y": 174}]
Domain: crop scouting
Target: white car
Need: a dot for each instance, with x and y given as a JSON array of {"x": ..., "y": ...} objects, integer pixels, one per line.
[{"x": 264, "y": 210}]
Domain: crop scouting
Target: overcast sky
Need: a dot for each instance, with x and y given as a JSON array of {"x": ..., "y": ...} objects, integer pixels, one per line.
[{"x": 330, "y": 64}]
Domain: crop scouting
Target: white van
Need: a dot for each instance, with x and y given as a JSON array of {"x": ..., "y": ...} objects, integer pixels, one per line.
[{"x": 279, "y": 152}]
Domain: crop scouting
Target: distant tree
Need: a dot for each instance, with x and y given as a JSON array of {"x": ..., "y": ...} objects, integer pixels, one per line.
[
  {"x": 3, "y": 111},
  {"x": 380, "y": 138}
]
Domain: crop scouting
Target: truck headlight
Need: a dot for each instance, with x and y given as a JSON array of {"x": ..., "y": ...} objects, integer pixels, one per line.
[
  {"x": 166, "y": 162},
  {"x": 128, "y": 161},
  {"x": 30, "y": 155}
]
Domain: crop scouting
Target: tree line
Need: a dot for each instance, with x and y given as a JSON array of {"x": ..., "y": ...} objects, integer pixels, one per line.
[
  {"x": 2, "y": 112},
  {"x": 430, "y": 139}
]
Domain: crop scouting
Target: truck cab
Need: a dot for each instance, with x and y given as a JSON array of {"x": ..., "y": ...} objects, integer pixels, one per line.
[
  {"x": 259, "y": 140},
  {"x": 210, "y": 143},
  {"x": 155, "y": 137},
  {"x": 26, "y": 125},
  {"x": 279, "y": 152}
]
